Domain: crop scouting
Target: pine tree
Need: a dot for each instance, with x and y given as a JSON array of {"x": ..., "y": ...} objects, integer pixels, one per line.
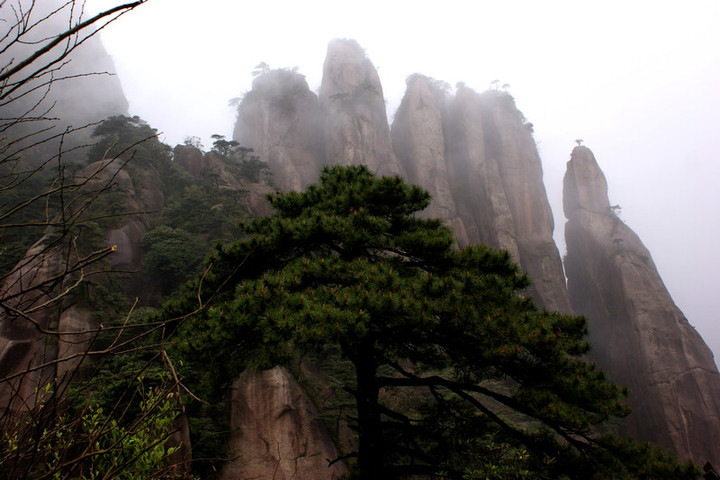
[{"x": 494, "y": 387}]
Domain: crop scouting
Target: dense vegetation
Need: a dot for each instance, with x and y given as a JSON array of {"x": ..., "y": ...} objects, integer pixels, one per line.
[{"x": 121, "y": 403}]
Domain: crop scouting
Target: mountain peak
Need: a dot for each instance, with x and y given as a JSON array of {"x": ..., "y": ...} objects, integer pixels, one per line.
[{"x": 585, "y": 186}]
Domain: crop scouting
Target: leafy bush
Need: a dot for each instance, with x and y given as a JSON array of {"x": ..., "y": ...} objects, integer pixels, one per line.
[{"x": 90, "y": 443}]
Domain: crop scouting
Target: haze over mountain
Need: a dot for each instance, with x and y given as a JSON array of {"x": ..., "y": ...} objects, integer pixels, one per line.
[
  {"x": 637, "y": 82},
  {"x": 475, "y": 152}
]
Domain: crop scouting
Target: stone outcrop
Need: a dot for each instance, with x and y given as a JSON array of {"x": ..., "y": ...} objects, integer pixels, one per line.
[
  {"x": 640, "y": 337},
  {"x": 510, "y": 145},
  {"x": 22, "y": 344},
  {"x": 297, "y": 133},
  {"x": 355, "y": 117},
  {"x": 475, "y": 154},
  {"x": 205, "y": 167},
  {"x": 277, "y": 433},
  {"x": 279, "y": 119},
  {"x": 42, "y": 287},
  {"x": 477, "y": 186},
  {"x": 84, "y": 88},
  {"x": 140, "y": 195},
  {"x": 418, "y": 137},
  {"x": 89, "y": 98}
]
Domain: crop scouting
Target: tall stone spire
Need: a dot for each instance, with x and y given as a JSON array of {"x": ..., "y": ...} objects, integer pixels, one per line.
[{"x": 640, "y": 337}]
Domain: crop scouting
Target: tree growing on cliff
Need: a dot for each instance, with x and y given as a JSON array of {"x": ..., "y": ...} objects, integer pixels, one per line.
[
  {"x": 455, "y": 372},
  {"x": 241, "y": 160},
  {"x": 222, "y": 146}
]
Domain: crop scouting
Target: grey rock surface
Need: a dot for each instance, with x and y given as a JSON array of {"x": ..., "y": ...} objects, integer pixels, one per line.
[{"x": 640, "y": 337}]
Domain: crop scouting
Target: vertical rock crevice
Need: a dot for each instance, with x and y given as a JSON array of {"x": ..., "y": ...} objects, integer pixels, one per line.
[{"x": 418, "y": 139}]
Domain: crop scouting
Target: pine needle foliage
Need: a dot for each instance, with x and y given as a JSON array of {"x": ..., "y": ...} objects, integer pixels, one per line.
[{"x": 498, "y": 386}]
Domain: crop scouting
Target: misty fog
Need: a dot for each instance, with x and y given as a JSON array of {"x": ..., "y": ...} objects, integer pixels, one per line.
[{"x": 637, "y": 82}]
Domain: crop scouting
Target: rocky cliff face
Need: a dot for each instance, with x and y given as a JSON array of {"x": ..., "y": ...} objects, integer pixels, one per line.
[
  {"x": 278, "y": 434},
  {"x": 49, "y": 305},
  {"x": 640, "y": 337},
  {"x": 90, "y": 98},
  {"x": 84, "y": 89},
  {"x": 510, "y": 145},
  {"x": 418, "y": 137},
  {"x": 280, "y": 120},
  {"x": 475, "y": 154},
  {"x": 297, "y": 133},
  {"x": 203, "y": 167},
  {"x": 22, "y": 346},
  {"x": 351, "y": 97}
]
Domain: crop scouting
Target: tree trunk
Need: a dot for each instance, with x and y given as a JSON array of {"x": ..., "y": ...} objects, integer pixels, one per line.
[{"x": 371, "y": 461}]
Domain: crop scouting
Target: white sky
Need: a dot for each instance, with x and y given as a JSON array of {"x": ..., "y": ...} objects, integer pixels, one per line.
[{"x": 639, "y": 81}]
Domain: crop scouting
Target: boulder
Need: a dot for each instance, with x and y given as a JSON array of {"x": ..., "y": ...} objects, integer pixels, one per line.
[{"x": 277, "y": 433}]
